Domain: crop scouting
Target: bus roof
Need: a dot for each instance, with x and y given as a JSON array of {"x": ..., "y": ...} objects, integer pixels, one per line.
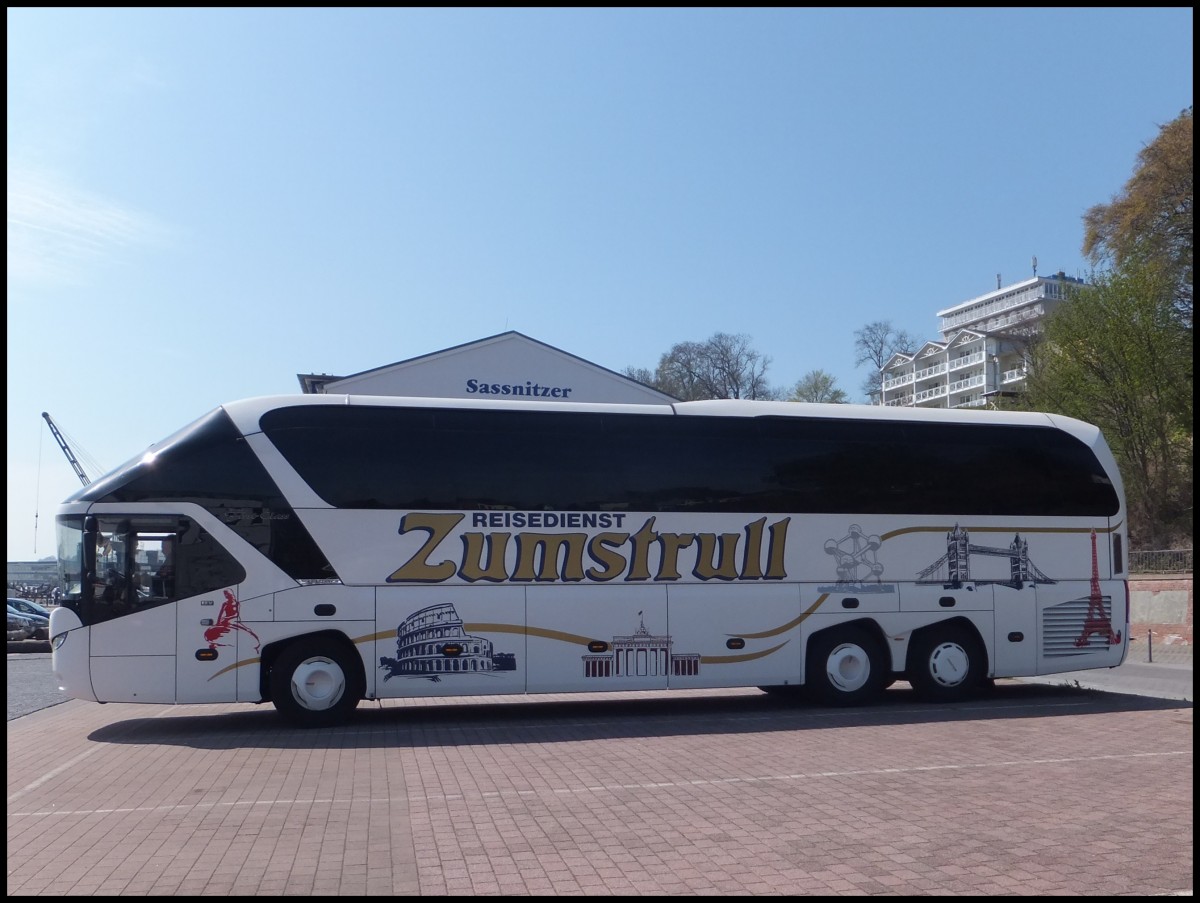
[{"x": 246, "y": 412}]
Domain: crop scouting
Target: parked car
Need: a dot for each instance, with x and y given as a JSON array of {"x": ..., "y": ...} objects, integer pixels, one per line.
[
  {"x": 19, "y": 626},
  {"x": 39, "y": 626},
  {"x": 28, "y": 607}
]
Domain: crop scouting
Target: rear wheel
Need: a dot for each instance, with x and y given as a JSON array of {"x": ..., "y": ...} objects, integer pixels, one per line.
[
  {"x": 845, "y": 667},
  {"x": 316, "y": 683},
  {"x": 946, "y": 664}
]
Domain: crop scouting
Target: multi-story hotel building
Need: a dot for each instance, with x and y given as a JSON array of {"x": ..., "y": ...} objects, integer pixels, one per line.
[{"x": 983, "y": 352}]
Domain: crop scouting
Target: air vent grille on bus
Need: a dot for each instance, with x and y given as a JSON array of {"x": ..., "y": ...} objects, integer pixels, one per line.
[{"x": 1063, "y": 625}]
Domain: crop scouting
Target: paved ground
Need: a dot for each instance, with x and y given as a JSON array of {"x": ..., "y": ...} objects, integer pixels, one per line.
[
  {"x": 1039, "y": 789},
  {"x": 1164, "y": 672}
]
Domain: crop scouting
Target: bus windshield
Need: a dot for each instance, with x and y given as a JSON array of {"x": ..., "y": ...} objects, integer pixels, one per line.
[{"x": 70, "y": 558}]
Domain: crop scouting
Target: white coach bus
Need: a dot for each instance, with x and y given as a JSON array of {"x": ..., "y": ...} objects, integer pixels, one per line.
[{"x": 317, "y": 551}]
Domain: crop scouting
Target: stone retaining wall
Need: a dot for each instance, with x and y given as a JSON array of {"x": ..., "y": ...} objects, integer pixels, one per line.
[{"x": 1162, "y": 604}]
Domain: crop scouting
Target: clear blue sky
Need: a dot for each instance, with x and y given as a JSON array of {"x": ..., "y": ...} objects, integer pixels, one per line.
[{"x": 203, "y": 203}]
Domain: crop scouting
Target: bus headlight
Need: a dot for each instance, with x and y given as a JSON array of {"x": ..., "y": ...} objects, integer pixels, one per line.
[{"x": 57, "y": 640}]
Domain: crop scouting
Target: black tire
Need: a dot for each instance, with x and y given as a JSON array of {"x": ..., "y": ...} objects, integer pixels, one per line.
[
  {"x": 316, "y": 683},
  {"x": 845, "y": 667},
  {"x": 946, "y": 664}
]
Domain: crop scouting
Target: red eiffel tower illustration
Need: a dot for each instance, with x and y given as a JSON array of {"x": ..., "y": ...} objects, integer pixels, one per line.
[{"x": 1097, "y": 621}]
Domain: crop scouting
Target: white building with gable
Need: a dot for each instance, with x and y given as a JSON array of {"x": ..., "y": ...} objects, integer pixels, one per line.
[
  {"x": 982, "y": 353},
  {"x": 508, "y": 366}
]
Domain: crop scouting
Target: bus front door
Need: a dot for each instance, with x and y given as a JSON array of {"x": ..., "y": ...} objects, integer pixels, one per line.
[
  {"x": 133, "y": 657},
  {"x": 132, "y": 654}
]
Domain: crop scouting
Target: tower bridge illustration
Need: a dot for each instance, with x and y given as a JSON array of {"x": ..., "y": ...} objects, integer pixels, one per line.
[{"x": 953, "y": 569}]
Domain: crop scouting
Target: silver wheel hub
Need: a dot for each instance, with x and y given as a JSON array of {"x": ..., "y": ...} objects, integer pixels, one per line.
[
  {"x": 318, "y": 684},
  {"x": 949, "y": 664},
  {"x": 848, "y": 667}
]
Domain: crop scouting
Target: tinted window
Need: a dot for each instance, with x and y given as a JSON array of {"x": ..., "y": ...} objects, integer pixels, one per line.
[
  {"x": 210, "y": 463},
  {"x": 144, "y": 561},
  {"x": 359, "y": 457}
]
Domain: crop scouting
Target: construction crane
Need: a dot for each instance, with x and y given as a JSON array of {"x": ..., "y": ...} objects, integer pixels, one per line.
[{"x": 62, "y": 443}]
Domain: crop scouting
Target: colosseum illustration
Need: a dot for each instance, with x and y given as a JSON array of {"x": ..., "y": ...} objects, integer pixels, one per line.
[{"x": 432, "y": 643}]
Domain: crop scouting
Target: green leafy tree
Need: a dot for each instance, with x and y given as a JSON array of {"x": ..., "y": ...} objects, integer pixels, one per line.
[
  {"x": 1151, "y": 218},
  {"x": 724, "y": 366},
  {"x": 1115, "y": 354},
  {"x": 819, "y": 387}
]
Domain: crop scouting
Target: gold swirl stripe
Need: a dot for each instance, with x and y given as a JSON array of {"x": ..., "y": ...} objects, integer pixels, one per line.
[
  {"x": 783, "y": 628},
  {"x": 744, "y": 657},
  {"x": 892, "y": 534}
]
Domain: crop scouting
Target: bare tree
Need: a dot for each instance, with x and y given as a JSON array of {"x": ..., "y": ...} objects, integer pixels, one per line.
[
  {"x": 640, "y": 374},
  {"x": 875, "y": 344},
  {"x": 736, "y": 370},
  {"x": 683, "y": 372},
  {"x": 819, "y": 387},
  {"x": 724, "y": 366}
]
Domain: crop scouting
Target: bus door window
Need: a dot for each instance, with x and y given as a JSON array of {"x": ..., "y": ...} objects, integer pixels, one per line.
[
  {"x": 155, "y": 565},
  {"x": 112, "y": 572},
  {"x": 134, "y": 564},
  {"x": 163, "y": 581}
]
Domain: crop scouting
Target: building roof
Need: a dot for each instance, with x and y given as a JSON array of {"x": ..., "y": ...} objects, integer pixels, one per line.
[{"x": 511, "y": 345}]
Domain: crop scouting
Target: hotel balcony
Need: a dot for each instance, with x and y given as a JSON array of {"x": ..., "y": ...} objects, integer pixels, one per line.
[
  {"x": 966, "y": 360},
  {"x": 895, "y": 382},
  {"x": 935, "y": 392},
  {"x": 930, "y": 371},
  {"x": 969, "y": 383}
]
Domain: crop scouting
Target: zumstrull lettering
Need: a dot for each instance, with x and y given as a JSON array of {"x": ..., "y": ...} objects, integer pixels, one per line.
[
  {"x": 542, "y": 557},
  {"x": 716, "y": 558},
  {"x": 603, "y": 550},
  {"x": 538, "y": 555},
  {"x": 418, "y": 569},
  {"x": 473, "y": 567}
]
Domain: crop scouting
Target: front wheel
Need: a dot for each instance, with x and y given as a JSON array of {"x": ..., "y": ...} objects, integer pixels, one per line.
[
  {"x": 946, "y": 664},
  {"x": 845, "y": 667},
  {"x": 316, "y": 683}
]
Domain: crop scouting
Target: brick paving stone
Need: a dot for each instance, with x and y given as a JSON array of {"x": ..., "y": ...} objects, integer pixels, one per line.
[{"x": 1037, "y": 790}]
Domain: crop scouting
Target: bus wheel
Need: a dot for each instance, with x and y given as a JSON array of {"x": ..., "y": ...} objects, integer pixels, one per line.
[
  {"x": 845, "y": 667},
  {"x": 945, "y": 664},
  {"x": 316, "y": 683}
]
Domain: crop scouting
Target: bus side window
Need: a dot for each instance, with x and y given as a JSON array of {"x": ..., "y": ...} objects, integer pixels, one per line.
[{"x": 202, "y": 565}]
